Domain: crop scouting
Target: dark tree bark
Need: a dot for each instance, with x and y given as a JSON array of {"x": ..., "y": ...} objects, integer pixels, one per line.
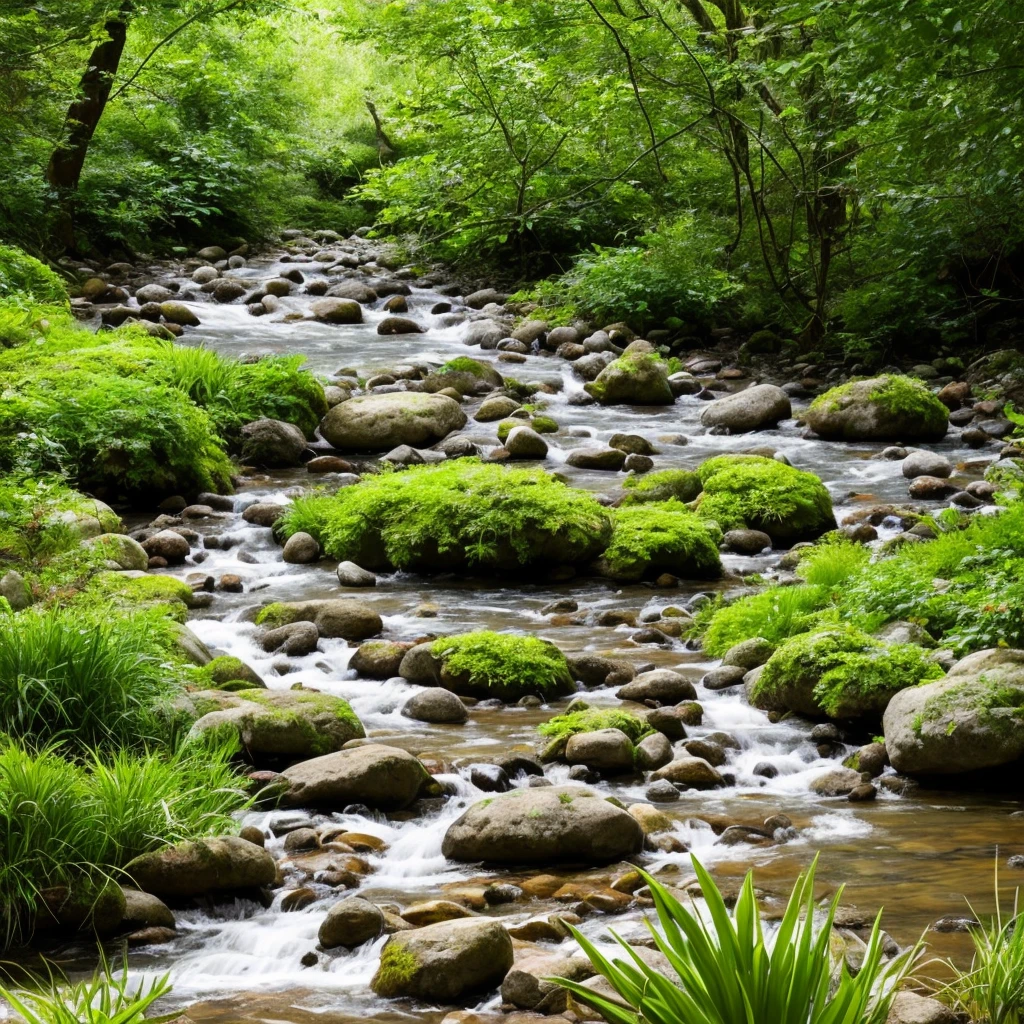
[{"x": 65, "y": 167}]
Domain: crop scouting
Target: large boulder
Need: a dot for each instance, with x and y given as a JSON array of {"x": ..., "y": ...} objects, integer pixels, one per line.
[
  {"x": 602, "y": 750},
  {"x": 382, "y": 422},
  {"x": 333, "y": 617},
  {"x": 967, "y": 721},
  {"x": 756, "y": 408},
  {"x": 280, "y": 723},
  {"x": 637, "y": 377},
  {"x": 272, "y": 444},
  {"x": 386, "y": 778},
  {"x": 441, "y": 962},
  {"x": 660, "y": 684},
  {"x": 887, "y": 408},
  {"x": 543, "y": 826},
  {"x": 337, "y": 311},
  {"x": 206, "y": 867}
]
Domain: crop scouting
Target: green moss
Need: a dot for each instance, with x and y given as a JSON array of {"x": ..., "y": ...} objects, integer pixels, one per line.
[
  {"x": 166, "y": 594},
  {"x": 504, "y": 665},
  {"x": 229, "y": 674},
  {"x": 848, "y": 673},
  {"x": 998, "y": 706},
  {"x": 314, "y": 703},
  {"x": 460, "y": 515},
  {"x": 896, "y": 394},
  {"x": 663, "y": 485},
  {"x": 632, "y": 364},
  {"x": 544, "y": 425},
  {"x": 650, "y": 539},
  {"x": 463, "y": 364},
  {"x": 561, "y": 727},
  {"x": 398, "y": 967},
  {"x": 277, "y": 614},
  {"x": 505, "y": 427},
  {"x": 762, "y": 494}
]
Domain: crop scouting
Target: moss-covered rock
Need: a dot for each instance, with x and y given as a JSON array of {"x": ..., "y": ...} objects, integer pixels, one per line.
[
  {"x": 749, "y": 491},
  {"x": 502, "y": 665},
  {"x": 464, "y": 374},
  {"x": 457, "y": 516},
  {"x": 664, "y": 485},
  {"x": 637, "y": 377},
  {"x": 650, "y": 539},
  {"x": 558, "y": 729},
  {"x": 232, "y": 674},
  {"x": 381, "y": 421},
  {"x": 138, "y": 590},
  {"x": 887, "y": 408},
  {"x": 333, "y": 617},
  {"x": 973, "y": 719},
  {"x": 838, "y": 673}
]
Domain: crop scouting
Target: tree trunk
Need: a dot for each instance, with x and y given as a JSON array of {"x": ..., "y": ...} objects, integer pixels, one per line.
[{"x": 65, "y": 167}]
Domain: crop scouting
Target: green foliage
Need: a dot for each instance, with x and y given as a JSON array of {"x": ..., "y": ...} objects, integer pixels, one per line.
[
  {"x": 21, "y": 274},
  {"x": 853, "y": 674},
  {"x": 105, "y": 998},
  {"x": 830, "y": 565},
  {"x": 72, "y": 824},
  {"x": 725, "y": 970},
  {"x": 460, "y": 514},
  {"x": 503, "y": 664},
  {"x": 651, "y": 539},
  {"x": 764, "y": 494},
  {"x": 561, "y": 727},
  {"x": 662, "y": 485},
  {"x": 992, "y": 990},
  {"x": 86, "y": 681}
]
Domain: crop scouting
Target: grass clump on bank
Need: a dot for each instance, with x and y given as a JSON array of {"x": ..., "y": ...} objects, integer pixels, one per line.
[
  {"x": 503, "y": 665},
  {"x": 73, "y": 824},
  {"x": 749, "y": 491},
  {"x": 454, "y": 516},
  {"x": 652, "y": 539}
]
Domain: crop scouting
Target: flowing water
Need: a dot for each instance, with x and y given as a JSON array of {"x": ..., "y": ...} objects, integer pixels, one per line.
[{"x": 919, "y": 854}]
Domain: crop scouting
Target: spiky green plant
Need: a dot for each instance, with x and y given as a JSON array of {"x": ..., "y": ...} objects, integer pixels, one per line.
[{"x": 729, "y": 972}]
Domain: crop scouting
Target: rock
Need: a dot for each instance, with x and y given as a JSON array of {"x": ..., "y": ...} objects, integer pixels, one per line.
[
  {"x": 543, "y": 826},
  {"x": 835, "y": 782},
  {"x": 530, "y": 331},
  {"x": 926, "y": 464},
  {"x": 496, "y": 408},
  {"x": 153, "y": 293},
  {"x": 862, "y": 793},
  {"x": 399, "y": 325},
  {"x": 212, "y": 254},
  {"x": 205, "y": 867},
  {"x": 637, "y": 377},
  {"x": 227, "y": 291},
  {"x": 632, "y": 444},
  {"x": 337, "y": 617},
  {"x": 441, "y": 962},
  {"x": 871, "y": 758},
  {"x": 750, "y": 653},
  {"x": 263, "y": 513},
  {"x": 167, "y": 544},
  {"x": 378, "y": 659},
  {"x": 384, "y": 421},
  {"x": 746, "y": 542},
  {"x": 968, "y": 721},
  {"x": 859, "y": 411},
  {"x": 436, "y": 705},
  {"x": 931, "y": 488},
  {"x": 484, "y": 297},
  {"x": 524, "y": 443},
  {"x": 669, "y": 721},
  {"x": 300, "y": 549},
  {"x": 15, "y": 590},
  {"x": 420, "y": 665},
  {"x": 297, "y": 639},
  {"x": 661, "y": 684},
  {"x": 710, "y": 751},
  {"x": 723, "y": 677},
  {"x": 756, "y": 408},
  {"x": 604, "y": 750},
  {"x": 692, "y": 772},
  {"x": 596, "y": 458},
  {"x": 204, "y": 275},
  {"x": 281, "y": 723},
  {"x": 653, "y": 752},
  {"x": 144, "y": 910},
  {"x": 350, "y": 923},
  {"x": 528, "y": 986},
  {"x": 352, "y": 575},
  {"x": 334, "y": 310},
  {"x": 272, "y": 444},
  {"x": 385, "y": 778},
  {"x": 910, "y": 1008}
]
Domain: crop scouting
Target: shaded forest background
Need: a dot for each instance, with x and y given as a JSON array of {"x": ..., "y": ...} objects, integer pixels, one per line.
[{"x": 848, "y": 174}]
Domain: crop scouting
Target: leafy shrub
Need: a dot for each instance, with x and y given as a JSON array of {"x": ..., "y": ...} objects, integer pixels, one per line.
[
  {"x": 86, "y": 681},
  {"x": 505, "y": 665},
  {"x": 457, "y": 515},
  {"x": 763, "y": 494},
  {"x": 72, "y": 824},
  {"x": 725, "y": 969},
  {"x": 651, "y": 539},
  {"x": 23, "y": 275}
]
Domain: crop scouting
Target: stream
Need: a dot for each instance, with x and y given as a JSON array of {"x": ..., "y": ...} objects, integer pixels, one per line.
[{"x": 919, "y": 855}]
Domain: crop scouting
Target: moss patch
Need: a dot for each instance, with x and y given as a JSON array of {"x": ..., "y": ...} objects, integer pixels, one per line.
[
  {"x": 649, "y": 540},
  {"x": 663, "y": 485},
  {"x": 897, "y": 395},
  {"x": 503, "y": 665},
  {"x": 997, "y": 706},
  {"x": 164, "y": 593},
  {"x": 561, "y": 727},
  {"x": 455, "y": 516},
  {"x": 398, "y": 968},
  {"x": 762, "y": 494}
]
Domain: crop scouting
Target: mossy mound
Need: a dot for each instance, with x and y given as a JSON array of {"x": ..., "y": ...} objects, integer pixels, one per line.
[
  {"x": 502, "y": 665},
  {"x": 663, "y": 485},
  {"x": 638, "y": 377},
  {"x": 651, "y": 539},
  {"x": 149, "y": 591},
  {"x": 561, "y": 727},
  {"x": 887, "y": 408},
  {"x": 757, "y": 493},
  {"x": 840, "y": 673},
  {"x": 458, "y": 516},
  {"x": 464, "y": 374}
]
